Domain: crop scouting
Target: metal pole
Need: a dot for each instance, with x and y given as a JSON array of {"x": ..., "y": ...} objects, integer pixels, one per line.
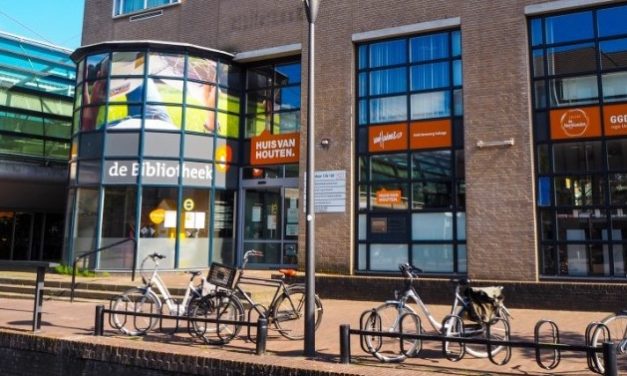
[
  {"x": 609, "y": 358},
  {"x": 99, "y": 323},
  {"x": 345, "y": 344},
  {"x": 311, "y": 8},
  {"x": 262, "y": 336}
]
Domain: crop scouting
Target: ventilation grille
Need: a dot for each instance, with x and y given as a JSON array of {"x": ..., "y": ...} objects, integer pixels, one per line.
[{"x": 145, "y": 16}]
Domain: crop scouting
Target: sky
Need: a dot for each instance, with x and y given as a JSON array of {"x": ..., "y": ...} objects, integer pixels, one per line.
[{"x": 58, "y": 22}]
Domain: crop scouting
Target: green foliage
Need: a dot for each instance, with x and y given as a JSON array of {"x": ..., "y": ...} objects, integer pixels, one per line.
[{"x": 67, "y": 270}]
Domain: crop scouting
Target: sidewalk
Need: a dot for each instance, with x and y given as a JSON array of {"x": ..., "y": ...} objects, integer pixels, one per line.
[{"x": 75, "y": 321}]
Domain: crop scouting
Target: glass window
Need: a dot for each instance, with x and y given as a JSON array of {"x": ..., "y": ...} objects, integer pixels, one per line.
[
  {"x": 618, "y": 189},
  {"x": 617, "y": 154},
  {"x": 456, "y": 37},
  {"x": 127, "y": 64},
  {"x": 430, "y": 76},
  {"x": 97, "y": 66},
  {"x": 130, "y": 6},
  {"x": 287, "y": 74},
  {"x": 260, "y": 77},
  {"x": 614, "y": 86},
  {"x": 577, "y": 157},
  {"x": 611, "y": 21},
  {"x": 286, "y": 122},
  {"x": 118, "y": 223},
  {"x": 429, "y": 47},
  {"x": 575, "y": 58},
  {"x": 432, "y": 226},
  {"x": 201, "y": 69},
  {"x": 579, "y": 190},
  {"x": 388, "y": 81},
  {"x": 388, "y": 109},
  {"x": 432, "y": 165},
  {"x": 387, "y": 256},
  {"x": 123, "y": 90},
  {"x": 426, "y": 195},
  {"x": 168, "y": 65},
  {"x": 581, "y": 225},
  {"x": 158, "y": 224},
  {"x": 457, "y": 72},
  {"x": 430, "y": 105},
  {"x": 613, "y": 54},
  {"x": 388, "y": 167},
  {"x": 560, "y": 28},
  {"x": 433, "y": 257},
  {"x": 194, "y": 237},
  {"x": 390, "y": 196},
  {"x": 228, "y": 125},
  {"x": 573, "y": 91},
  {"x": 167, "y": 91},
  {"x": 86, "y": 218},
  {"x": 229, "y": 76},
  {"x": 536, "y": 32},
  {"x": 229, "y": 101},
  {"x": 388, "y": 53},
  {"x": 162, "y": 144},
  {"x": 223, "y": 225},
  {"x": 287, "y": 98}
]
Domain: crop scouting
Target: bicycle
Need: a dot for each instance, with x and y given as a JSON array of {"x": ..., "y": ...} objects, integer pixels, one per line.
[
  {"x": 463, "y": 321},
  {"x": 616, "y": 324},
  {"x": 144, "y": 299},
  {"x": 285, "y": 312}
]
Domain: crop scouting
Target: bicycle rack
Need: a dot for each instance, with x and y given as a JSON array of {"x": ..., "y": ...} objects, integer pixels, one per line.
[
  {"x": 169, "y": 317},
  {"x": 591, "y": 330},
  {"x": 111, "y": 323},
  {"x": 418, "y": 349},
  {"x": 459, "y": 324},
  {"x": 249, "y": 335},
  {"x": 363, "y": 325},
  {"x": 555, "y": 339},
  {"x": 507, "y": 349}
]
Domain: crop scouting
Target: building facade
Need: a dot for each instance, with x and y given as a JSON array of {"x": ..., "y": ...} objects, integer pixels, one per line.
[
  {"x": 36, "y": 99},
  {"x": 468, "y": 138}
]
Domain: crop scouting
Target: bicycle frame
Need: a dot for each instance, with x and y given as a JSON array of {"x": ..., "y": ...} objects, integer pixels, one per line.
[
  {"x": 411, "y": 293},
  {"x": 174, "y": 307},
  {"x": 280, "y": 289}
]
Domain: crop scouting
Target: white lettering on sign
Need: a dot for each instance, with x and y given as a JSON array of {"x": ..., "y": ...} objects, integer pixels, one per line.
[
  {"x": 152, "y": 169},
  {"x": 383, "y": 137}
]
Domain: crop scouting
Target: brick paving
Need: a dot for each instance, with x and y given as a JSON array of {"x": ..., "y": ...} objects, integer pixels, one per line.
[{"x": 75, "y": 321}]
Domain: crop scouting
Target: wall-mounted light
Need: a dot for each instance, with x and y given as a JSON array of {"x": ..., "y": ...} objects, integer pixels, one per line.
[
  {"x": 325, "y": 143},
  {"x": 490, "y": 144}
]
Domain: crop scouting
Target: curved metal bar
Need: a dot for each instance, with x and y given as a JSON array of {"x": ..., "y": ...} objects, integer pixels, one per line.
[
  {"x": 254, "y": 307},
  {"x": 459, "y": 324},
  {"x": 555, "y": 339},
  {"x": 591, "y": 356},
  {"x": 111, "y": 322},
  {"x": 507, "y": 349},
  {"x": 418, "y": 349},
  {"x": 169, "y": 316},
  {"x": 364, "y": 319}
]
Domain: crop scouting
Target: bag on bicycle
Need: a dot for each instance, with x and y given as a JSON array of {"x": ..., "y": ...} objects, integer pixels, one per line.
[{"x": 484, "y": 302}]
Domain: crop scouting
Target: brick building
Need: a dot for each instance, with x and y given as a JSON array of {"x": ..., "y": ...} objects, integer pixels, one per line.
[{"x": 512, "y": 168}]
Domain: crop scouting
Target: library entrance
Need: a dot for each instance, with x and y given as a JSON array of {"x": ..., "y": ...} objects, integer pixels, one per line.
[{"x": 270, "y": 221}]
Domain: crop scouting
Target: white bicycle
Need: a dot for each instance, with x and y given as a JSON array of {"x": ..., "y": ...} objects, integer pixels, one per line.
[
  {"x": 145, "y": 299},
  {"x": 396, "y": 316},
  {"x": 616, "y": 325}
]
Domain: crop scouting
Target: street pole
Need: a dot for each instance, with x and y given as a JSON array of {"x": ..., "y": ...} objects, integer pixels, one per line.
[{"x": 311, "y": 9}]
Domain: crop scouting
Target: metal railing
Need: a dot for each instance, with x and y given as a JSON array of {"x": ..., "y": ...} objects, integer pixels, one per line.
[
  {"x": 261, "y": 324},
  {"x": 608, "y": 349},
  {"x": 87, "y": 254}
]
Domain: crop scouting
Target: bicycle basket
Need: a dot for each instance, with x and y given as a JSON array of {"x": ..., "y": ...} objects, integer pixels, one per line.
[
  {"x": 221, "y": 275},
  {"x": 484, "y": 302}
]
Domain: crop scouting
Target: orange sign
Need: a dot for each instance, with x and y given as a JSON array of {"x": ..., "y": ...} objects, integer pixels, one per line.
[
  {"x": 615, "y": 120},
  {"x": 575, "y": 123},
  {"x": 387, "y": 137},
  {"x": 430, "y": 134},
  {"x": 274, "y": 149},
  {"x": 385, "y": 197}
]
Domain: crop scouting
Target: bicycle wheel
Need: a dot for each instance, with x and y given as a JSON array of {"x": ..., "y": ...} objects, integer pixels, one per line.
[
  {"x": 136, "y": 300},
  {"x": 288, "y": 313},
  {"x": 498, "y": 331},
  {"x": 386, "y": 319},
  {"x": 217, "y": 307},
  {"x": 617, "y": 326}
]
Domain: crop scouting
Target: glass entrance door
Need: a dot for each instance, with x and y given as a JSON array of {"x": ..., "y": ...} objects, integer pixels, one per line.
[{"x": 271, "y": 225}]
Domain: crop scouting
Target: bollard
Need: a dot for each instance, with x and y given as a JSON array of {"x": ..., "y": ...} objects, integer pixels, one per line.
[
  {"x": 262, "y": 336},
  {"x": 99, "y": 324},
  {"x": 345, "y": 344},
  {"x": 610, "y": 350}
]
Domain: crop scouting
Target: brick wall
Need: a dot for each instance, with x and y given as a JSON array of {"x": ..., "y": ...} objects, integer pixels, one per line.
[{"x": 501, "y": 226}]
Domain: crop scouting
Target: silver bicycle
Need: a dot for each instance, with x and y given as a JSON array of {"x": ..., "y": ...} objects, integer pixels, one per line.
[
  {"x": 616, "y": 324},
  {"x": 155, "y": 298},
  {"x": 397, "y": 316}
]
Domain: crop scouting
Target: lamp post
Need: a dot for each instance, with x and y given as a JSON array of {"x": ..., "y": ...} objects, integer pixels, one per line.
[{"x": 311, "y": 9}]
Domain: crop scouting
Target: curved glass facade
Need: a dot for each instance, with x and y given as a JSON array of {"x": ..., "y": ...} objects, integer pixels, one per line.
[{"x": 154, "y": 154}]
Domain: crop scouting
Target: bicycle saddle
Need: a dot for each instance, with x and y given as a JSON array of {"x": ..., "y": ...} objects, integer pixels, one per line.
[
  {"x": 288, "y": 272},
  {"x": 194, "y": 273},
  {"x": 157, "y": 256},
  {"x": 409, "y": 269}
]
